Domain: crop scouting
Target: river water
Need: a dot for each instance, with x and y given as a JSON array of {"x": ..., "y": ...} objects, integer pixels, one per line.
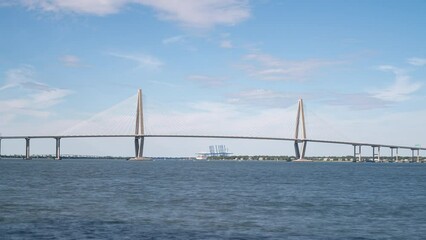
[{"x": 172, "y": 199}]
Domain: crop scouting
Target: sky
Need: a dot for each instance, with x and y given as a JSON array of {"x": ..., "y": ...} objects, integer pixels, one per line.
[{"x": 223, "y": 67}]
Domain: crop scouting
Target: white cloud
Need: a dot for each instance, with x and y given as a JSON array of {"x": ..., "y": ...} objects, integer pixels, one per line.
[
  {"x": 70, "y": 60},
  {"x": 264, "y": 98},
  {"x": 174, "y": 39},
  {"x": 357, "y": 101},
  {"x": 22, "y": 77},
  {"x": 226, "y": 44},
  {"x": 6, "y": 86},
  {"x": 164, "y": 84},
  {"x": 96, "y": 7},
  {"x": 401, "y": 89},
  {"x": 143, "y": 60},
  {"x": 6, "y": 3},
  {"x": 36, "y": 100},
  {"x": 201, "y": 13},
  {"x": 46, "y": 99},
  {"x": 207, "y": 81},
  {"x": 182, "y": 41},
  {"x": 17, "y": 76},
  {"x": 267, "y": 67},
  {"x": 417, "y": 61},
  {"x": 189, "y": 13}
]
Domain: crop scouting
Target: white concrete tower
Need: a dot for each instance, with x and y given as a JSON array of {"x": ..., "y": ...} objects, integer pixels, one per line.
[
  {"x": 139, "y": 129},
  {"x": 300, "y": 117}
]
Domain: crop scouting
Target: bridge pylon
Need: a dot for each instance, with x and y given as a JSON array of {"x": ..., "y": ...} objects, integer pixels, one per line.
[
  {"x": 139, "y": 129},
  {"x": 27, "y": 149},
  {"x": 300, "y": 118}
]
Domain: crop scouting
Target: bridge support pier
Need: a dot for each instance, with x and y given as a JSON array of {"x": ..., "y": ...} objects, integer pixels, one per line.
[
  {"x": 139, "y": 143},
  {"x": 397, "y": 154},
  {"x": 418, "y": 155},
  {"x": 298, "y": 154},
  {"x": 376, "y": 155},
  {"x": 305, "y": 143},
  {"x": 58, "y": 148},
  {"x": 413, "y": 158},
  {"x": 357, "y": 154},
  {"x": 27, "y": 149},
  {"x": 394, "y": 158},
  {"x": 296, "y": 150}
]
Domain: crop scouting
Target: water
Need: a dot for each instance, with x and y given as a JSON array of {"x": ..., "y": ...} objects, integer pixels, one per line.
[{"x": 113, "y": 199}]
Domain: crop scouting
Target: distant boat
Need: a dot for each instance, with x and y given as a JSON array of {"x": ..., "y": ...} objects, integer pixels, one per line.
[{"x": 202, "y": 156}]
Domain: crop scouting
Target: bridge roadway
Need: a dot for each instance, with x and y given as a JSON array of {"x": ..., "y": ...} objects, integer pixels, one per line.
[{"x": 355, "y": 144}]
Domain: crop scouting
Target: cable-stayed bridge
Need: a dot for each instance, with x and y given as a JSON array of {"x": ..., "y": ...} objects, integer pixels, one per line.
[{"x": 299, "y": 138}]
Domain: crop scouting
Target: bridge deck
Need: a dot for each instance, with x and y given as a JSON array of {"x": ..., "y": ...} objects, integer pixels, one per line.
[{"x": 216, "y": 136}]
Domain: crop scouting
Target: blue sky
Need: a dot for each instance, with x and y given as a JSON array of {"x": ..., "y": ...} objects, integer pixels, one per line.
[{"x": 224, "y": 67}]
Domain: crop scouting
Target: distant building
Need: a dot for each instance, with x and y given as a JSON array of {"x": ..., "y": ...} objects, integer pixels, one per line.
[{"x": 215, "y": 151}]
